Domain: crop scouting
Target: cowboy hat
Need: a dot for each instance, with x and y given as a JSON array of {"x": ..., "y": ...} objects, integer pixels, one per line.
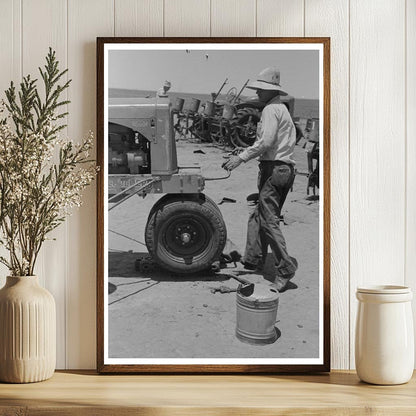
[{"x": 268, "y": 79}]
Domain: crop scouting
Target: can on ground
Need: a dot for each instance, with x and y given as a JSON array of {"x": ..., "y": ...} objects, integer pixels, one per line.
[{"x": 256, "y": 314}]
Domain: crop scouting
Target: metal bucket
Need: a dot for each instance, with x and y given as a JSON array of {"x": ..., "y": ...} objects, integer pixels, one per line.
[
  {"x": 256, "y": 314},
  {"x": 178, "y": 106},
  {"x": 194, "y": 105},
  {"x": 228, "y": 111},
  {"x": 209, "y": 108}
]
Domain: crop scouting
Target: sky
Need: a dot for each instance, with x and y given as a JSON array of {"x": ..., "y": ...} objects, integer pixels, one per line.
[{"x": 203, "y": 71}]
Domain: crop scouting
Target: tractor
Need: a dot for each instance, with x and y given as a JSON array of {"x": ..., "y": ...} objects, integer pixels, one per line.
[{"x": 185, "y": 231}]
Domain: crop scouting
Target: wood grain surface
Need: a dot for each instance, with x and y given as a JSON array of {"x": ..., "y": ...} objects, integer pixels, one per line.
[
  {"x": 377, "y": 148},
  {"x": 85, "y": 19},
  {"x": 10, "y": 65},
  {"x": 187, "y": 18},
  {"x": 331, "y": 18},
  {"x": 410, "y": 260},
  {"x": 36, "y": 40},
  {"x": 233, "y": 18},
  {"x": 280, "y": 18},
  {"x": 138, "y": 18},
  {"x": 85, "y": 393}
]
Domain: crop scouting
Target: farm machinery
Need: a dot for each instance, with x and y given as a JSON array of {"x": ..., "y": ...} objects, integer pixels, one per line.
[
  {"x": 185, "y": 231},
  {"x": 226, "y": 120}
]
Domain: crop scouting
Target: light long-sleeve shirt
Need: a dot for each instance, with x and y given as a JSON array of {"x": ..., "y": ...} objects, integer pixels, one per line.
[{"x": 276, "y": 135}]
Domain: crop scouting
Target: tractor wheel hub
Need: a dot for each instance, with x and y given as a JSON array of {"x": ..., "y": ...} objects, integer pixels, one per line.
[{"x": 186, "y": 238}]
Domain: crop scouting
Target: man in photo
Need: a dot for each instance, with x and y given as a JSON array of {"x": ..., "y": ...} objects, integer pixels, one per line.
[{"x": 274, "y": 147}]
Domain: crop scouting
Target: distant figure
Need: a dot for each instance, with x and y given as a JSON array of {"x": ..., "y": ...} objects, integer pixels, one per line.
[{"x": 163, "y": 92}]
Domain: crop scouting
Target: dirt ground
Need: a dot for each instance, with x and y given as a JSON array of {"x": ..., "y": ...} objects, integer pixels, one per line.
[{"x": 160, "y": 315}]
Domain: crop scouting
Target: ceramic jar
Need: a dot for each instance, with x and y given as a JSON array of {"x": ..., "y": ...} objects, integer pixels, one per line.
[
  {"x": 27, "y": 331},
  {"x": 384, "y": 339}
]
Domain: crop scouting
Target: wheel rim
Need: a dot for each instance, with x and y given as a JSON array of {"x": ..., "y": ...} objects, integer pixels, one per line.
[
  {"x": 231, "y": 94},
  {"x": 185, "y": 237},
  {"x": 246, "y": 130}
]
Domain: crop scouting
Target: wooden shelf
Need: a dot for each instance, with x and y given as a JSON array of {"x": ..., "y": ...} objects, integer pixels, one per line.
[{"x": 86, "y": 393}]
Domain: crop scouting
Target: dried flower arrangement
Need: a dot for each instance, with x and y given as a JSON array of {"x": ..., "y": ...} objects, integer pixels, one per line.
[{"x": 41, "y": 175}]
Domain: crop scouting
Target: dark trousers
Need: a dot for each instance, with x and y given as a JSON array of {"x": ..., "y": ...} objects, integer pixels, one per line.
[{"x": 274, "y": 182}]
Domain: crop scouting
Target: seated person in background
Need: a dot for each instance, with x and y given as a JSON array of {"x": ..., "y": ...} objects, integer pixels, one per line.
[{"x": 163, "y": 92}]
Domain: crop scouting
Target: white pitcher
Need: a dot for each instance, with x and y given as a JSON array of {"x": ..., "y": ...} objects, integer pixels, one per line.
[{"x": 384, "y": 340}]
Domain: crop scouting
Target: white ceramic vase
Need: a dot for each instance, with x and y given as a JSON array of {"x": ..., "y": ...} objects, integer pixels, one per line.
[
  {"x": 27, "y": 331},
  {"x": 384, "y": 340}
]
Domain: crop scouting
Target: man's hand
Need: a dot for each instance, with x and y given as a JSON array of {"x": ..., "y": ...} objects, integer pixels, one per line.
[{"x": 232, "y": 163}]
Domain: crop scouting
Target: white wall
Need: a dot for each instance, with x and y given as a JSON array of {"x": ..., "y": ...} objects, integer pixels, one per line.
[{"x": 373, "y": 122}]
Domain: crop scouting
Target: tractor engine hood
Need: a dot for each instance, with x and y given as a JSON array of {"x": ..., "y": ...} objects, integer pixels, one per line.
[
  {"x": 135, "y": 108},
  {"x": 138, "y": 114}
]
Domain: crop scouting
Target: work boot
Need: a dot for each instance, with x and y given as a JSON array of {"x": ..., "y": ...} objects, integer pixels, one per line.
[
  {"x": 251, "y": 266},
  {"x": 281, "y": 282}
]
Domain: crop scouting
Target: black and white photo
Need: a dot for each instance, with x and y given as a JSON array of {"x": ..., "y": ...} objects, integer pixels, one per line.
[{"x": 213, "y": 250}]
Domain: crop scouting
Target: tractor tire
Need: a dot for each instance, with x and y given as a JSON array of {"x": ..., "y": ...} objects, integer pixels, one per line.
[
  {"x": 168, "y": 198},
  {"x": 185, "y": 233},
  {"x": 209, "y": 201},
  {"x": 181, "y": 197},
  {"x": 245, "y": 127}
]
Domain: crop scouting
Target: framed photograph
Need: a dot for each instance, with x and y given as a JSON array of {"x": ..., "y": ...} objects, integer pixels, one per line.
[{"x": 213, "y": 205}]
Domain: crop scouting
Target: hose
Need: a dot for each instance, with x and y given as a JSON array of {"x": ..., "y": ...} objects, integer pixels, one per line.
[{"x": 219, "y": 178}]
